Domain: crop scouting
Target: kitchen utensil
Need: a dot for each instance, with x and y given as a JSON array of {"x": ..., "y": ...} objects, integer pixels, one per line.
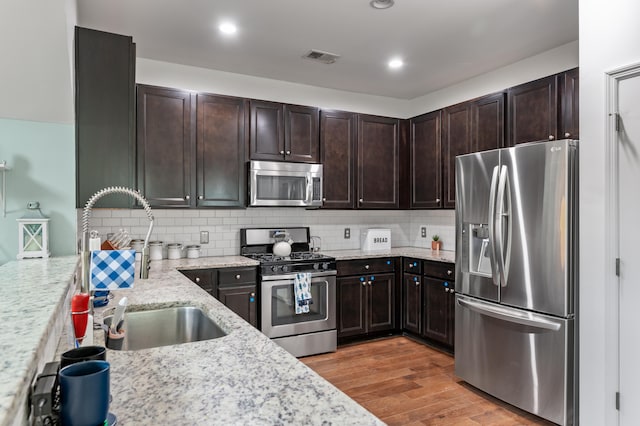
[
  {"x": 84, "y": 393},
  {"x": 118, "y": 316},
  {"x": 193, "y": 251},
  {"x": 282, "y": 246},
  {"x": 174, "y": 251},
  {"x": 80, "y": 315}
]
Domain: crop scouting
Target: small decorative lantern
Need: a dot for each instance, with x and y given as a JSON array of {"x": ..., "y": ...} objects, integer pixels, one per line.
[{"x": 33, "y": 233}]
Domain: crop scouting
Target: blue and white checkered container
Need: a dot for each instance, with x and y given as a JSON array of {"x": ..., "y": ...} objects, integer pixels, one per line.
[{"x": 112, "y": 269}]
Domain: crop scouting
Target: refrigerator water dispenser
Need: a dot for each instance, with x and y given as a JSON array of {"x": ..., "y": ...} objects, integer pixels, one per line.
[{"x": 479, "y": 249}]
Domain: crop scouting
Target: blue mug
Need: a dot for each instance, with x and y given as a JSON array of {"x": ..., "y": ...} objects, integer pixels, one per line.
[{"x": 84, "y": 393}]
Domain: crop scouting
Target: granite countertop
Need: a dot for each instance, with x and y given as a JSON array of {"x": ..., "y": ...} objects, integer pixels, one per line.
[
  {"x": 419, "y": 253},
  {"x": 241, "y": 378}
]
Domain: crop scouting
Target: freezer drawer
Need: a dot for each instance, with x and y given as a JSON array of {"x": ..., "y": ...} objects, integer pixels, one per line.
[{"x": 523, "y": 358}]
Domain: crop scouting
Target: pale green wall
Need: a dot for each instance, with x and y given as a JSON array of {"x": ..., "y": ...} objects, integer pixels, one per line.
[{"x": 42, "y": 156}]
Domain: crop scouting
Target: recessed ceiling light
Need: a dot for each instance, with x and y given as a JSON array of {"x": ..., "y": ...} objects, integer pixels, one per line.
[
  {"x": 396, "y": 63},
  {"x": 381, "y": 4},
  {"x": 228, "y": 28}
]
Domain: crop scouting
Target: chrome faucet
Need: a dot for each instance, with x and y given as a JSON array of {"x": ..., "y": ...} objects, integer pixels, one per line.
[{"x": 86, "y": 215}]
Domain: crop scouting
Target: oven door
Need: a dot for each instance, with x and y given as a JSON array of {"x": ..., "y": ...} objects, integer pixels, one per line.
[{"x": 279, "y": 316}]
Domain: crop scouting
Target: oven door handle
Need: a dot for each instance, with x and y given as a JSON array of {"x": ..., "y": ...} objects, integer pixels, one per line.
[{"x": 285, "y": 277}]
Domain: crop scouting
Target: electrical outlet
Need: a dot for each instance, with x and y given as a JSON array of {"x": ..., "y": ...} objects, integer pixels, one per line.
[
  {"x": 423, "y": 232},
  {"x": 347, "y": 233},
  {"x": 204, "y": 237}
]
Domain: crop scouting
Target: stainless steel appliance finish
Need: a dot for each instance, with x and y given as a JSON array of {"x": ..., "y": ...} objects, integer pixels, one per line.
[
  {"x": 305, "y": 333},
  {"x": 516, "y": 263},
  {"x": 274, "y": 183}
]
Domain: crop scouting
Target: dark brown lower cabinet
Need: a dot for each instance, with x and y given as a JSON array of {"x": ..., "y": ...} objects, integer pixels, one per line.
[
  {"x": 234, "y": 287},
  {"x": 439, "y": 311},
  {"x": 241, "y": 300},
  {"x": 412, "y": 303},
  {"x": 366, "y": 304}
]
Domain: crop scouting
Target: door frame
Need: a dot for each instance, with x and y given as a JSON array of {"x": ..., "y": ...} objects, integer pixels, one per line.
[{"x": 612, "y": 228}]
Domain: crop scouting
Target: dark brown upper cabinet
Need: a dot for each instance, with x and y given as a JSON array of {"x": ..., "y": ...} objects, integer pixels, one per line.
[
  {"x": 456, "y": 140},
  {"x": 378, "y": 153},
  {"x": 191, "y": 148},
  {"x": 166, "y": 152},
  {"x": 338, "y": 158},
  {"x": 104, "y": 115},
  {"x": 533, "y": 111},
  {"x": 487, "y": 122},
  {"x": 220, "y": 141},
  {"x": 284, "y": 132},
  {"x": 425, "y": 157},
  {"x": 570, "y": 99}
]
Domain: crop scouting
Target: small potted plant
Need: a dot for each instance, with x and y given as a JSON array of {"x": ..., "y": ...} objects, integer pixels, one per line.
[{"x": 436, "y": 244}]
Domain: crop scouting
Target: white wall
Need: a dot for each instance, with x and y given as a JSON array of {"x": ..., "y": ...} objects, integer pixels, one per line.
[
  {"x": 547, "y": 63},
  {"x": 200, "y": 79},
  {"x": 36, "y": 79},
  {"x": 609, "y": 35}
]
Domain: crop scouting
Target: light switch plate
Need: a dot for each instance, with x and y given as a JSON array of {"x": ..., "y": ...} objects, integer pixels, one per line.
[
  {"x": 347, "y": 233},
  {"x": 423, "y": 231},
  {"x": 204, "y": 237}
]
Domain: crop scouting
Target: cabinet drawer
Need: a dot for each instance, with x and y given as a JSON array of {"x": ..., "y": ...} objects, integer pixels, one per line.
[
  {"x": 411, "y": 265},
  {"x": 365, "y": 266},
  {"x": 234, "y": 276},
  {"x": 446, "y": 271},
  {"x": 205, "y": 278}
]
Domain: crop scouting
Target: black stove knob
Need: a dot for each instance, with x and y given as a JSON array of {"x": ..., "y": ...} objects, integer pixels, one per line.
[
  {"x": 316, "y": 266},
  {"x": 325, "y": 265},
  {"x": 274, "y": 268},
  {"x": 285, "y": 268}
]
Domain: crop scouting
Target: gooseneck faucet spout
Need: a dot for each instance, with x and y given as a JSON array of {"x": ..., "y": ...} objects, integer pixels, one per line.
[{"x": 86, "y": 215}]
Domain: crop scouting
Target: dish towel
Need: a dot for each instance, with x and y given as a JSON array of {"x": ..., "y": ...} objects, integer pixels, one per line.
[
  {"x": 302, "y": 288},
  {"x": 112, "y": 269}
]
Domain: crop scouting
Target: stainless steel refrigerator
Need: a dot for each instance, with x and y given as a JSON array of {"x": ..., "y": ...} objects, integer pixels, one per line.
[{"x": 516, "y": 275}]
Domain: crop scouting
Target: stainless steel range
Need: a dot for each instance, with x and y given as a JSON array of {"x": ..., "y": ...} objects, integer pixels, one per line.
[{"x": 304, "y": 333}]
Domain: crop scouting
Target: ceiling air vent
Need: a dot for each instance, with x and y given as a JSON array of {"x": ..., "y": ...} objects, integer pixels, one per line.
[{"x": 320, "y": 56}]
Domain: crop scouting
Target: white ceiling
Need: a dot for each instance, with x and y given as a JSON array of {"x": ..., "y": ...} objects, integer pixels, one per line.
[{"x": 442, "y": 43}]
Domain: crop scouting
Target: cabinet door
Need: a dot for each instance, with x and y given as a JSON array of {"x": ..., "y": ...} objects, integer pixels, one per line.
[
  {"x": 426, "y": 161},
  {"x": 338, "y": 158},
  {"x": 221, "y": 177},
  {"x": 205, "y": 278},
  {"x": 105, "y": 115},
  {"x": 267, "y": 134},
  {"x": 456, "y": 140},
  {"x": 570, "y": 99},
  {"x": 241, "y": 300},
  {"x": 533, "y": 111},
  {"x": 438, "y": 313},
  {"x": 378, "y": 162},
  {"x": 487, "y": 122},
  {"x": 166, "y": 152},
  {"x": 351, "y": 306},
  {"x": 412, "y": 303},
  {"x": 301, "y": 137},
  {"x": 381, "y": 303}
]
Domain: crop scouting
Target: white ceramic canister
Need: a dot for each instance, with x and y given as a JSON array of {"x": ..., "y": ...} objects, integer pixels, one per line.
[
  {"x": 174, "y": 251},
  {"x": 137, "y": 245},
  {"x": 155, "y": 250},
  {"x": 193, "y": 252}
]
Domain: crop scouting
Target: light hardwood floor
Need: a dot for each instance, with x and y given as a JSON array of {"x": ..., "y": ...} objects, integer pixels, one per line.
[{"x": 404, "y": 382}]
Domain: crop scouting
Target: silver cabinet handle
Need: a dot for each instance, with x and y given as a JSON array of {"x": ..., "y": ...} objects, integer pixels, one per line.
[
  {"x": 186, "y": 197},
  {"x": 567, "y": 134},
  {"x": 324, "y": 199},
  {"x": 282, "y": 152},
  {"x": 252, "y": 295},
  {"x": 551, "y": 137},
  {"x": 288, "y": 152},
  {"x": 200, "y": 197},
  {"x": 437, "y": 200},
  {"x": 364, "y": 283},
  {"x": 446, "y": 289},
  {"x": 366, "y": 266},
  {"x": 452, "y": 291},
  {"x": 449, "y": 272},
  {"x": 370, "y": 283},
  {"x": 361, "y": 200},
  {"x": 197, "y": 279},
  {"x": 417, "y": 283},
  {"x": 238, "y": 277}
]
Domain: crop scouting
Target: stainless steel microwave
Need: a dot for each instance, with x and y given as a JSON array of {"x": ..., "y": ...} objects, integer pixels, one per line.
[{"x": 274, "y": 183}]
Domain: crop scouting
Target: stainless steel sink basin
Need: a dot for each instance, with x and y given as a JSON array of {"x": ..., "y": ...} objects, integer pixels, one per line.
[{"x": 164, "y": 327}]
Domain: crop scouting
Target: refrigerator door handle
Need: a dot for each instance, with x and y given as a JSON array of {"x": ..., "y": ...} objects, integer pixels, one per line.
[
  {"x": 509, "y": 315},
  {"x": 492, "y": 227},
  {"x": 504, "y": 212}
]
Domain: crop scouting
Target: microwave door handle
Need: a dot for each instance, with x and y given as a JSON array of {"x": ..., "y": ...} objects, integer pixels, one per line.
[{"x": 309, "y": 191}]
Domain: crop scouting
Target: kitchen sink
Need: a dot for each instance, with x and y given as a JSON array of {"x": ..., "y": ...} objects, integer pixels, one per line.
[{"x": 164, "y": 327}]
